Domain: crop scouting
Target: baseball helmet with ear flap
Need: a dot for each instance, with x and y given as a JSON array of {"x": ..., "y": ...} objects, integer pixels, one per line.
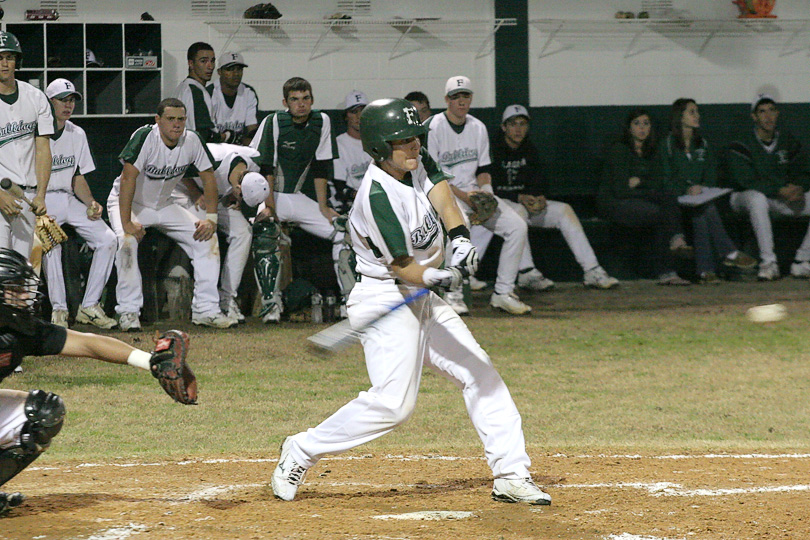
[
  {"x": 386, "y": 120},
  {"x": 10, "y": 43},
  {"x": 19, "y": 292}
]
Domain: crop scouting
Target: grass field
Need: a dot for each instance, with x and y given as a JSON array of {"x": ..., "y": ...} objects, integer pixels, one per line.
[{"x": 644, "y": 369}]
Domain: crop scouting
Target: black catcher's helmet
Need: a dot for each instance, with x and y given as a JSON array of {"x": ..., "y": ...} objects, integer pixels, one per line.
[{"x": 19, "y": 292}]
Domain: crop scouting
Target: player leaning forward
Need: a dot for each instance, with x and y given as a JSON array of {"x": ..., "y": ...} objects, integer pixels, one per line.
[
  {"x": 396, "y": 227},
  {"x": 70, "y": 200},
  {"x": 155, "y": 160}
]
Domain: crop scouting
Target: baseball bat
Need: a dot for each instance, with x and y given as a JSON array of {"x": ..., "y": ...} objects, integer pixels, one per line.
[
  {"x": 341, "y": 335},
  {"x": 15, "y": 190},
  {"x": 36, "y": 248}
]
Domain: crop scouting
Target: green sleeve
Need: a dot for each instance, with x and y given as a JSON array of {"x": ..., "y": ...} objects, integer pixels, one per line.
[
  {"x": 434, "y": 172},
  {"x": 386, "y": 220},
  {"x": 203, "y": 124},
  {"x": 133, "y": 147},
  {"x": 266, "y": 146},
  {"x": 741, "y": 167}
]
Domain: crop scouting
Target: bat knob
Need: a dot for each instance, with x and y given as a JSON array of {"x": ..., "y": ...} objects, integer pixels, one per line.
[{"x": 5, "y": 183}]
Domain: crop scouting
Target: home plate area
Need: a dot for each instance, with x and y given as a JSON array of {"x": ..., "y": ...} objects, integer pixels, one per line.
[{"x": 370, "y": 496}]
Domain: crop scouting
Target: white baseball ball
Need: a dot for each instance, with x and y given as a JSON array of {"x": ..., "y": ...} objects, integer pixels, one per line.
[{"x": 767, "y": 313}]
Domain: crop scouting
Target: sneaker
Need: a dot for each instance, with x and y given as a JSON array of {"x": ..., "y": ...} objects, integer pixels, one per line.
[
  {"x": 769, "y": 271},
  {"x": 214, "y": 320},
  {"x": 597, "y": 278},
  {"x": 455, "y": 299},
  {"x": 18, "y": 369},
  {"x": 234, "y": 312},
  {"x": 800, "y": 269},
  {"x": 9, "y": 501},
  {"x": 273, "y": 315},
  {"x": 509, "y": 303},
  {"x": 95, "y": 315},
  {"x": 476, "y": 284},
  {"x": 288, "y": 474},
  {"x": 521, "y": 490},
  {"x": 59, "y": 317},
  {"x": 709, "y": 278},
  {"x": 129, "y": 322},
  {"x": 673, "y": 279},
  {"x": 534, "y": 280},
  {"x": 740, "y": 260}
]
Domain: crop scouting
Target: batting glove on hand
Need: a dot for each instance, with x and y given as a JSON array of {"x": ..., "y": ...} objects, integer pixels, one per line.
[
  {"x": 448, "y": 278},
  {"x": 464, "y": 254}
]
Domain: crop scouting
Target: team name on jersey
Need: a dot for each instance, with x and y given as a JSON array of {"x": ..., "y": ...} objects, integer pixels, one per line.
[
  {"x": 423, "y": 237},
  {"x": 63, "y": 162},
  {"x": 14, "y": 130},
  {"x": 358, "y": 170},
  {"x": 461, "y": 155},
  {"x": 232, "y": 126},
  {"x": 164, "y": 173}
]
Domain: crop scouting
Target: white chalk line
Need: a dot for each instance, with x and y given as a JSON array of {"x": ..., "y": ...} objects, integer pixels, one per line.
[
  {"x": 669, "y": 489},
  {"x": 119, "y": 533},
  {"x": 426, "y": 515}
]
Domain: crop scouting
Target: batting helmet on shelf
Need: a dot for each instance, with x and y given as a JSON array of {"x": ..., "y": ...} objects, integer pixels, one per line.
[
  {"x": 10, "y": 43},
  {"x": 386, "y": 120}
]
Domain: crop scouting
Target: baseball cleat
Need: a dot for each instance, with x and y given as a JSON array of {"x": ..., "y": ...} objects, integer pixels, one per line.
[
  {"x": 768, "y": 271},
  {"x": 509, "y": 303},
  {"x": 214, "y": 320},
  {"x": 522, "y": 490},
  {"x": 476, "y": 284},
  {"x": 273, "y": 314},
  {"x": 234, "y": 312},
  {"x": 9, "y": 501},
  {"x": 95, "y": 315},
  {"x": 288, "y": 474},
  {"x": 597, "y": 278},
  {"x": 129, "y": 322},
  {"x": 534, "y": 280},
  {"x": 455, "y": 299},
  {"x": 59, "y": 317},
  {"x": 800, "y": 269}
]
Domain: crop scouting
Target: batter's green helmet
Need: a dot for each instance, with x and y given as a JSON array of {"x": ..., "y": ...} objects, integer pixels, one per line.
[
  {"x": 9, "y": 42},
  {"x": 386, "y": 120}
]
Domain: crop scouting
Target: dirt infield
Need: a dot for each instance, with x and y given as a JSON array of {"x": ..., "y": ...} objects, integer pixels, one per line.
[{"x": 393, "y": 497}]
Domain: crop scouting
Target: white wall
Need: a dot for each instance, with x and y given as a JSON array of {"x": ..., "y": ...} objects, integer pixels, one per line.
[{"x": 604, "y": 66}]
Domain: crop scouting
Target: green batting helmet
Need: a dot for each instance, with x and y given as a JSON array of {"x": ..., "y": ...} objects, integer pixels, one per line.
[
  {"x": 10, "y": 43},
  {"x": 386, "y": 120}
]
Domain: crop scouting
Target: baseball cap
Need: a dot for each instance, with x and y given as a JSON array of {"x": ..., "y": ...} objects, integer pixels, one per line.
[
  {"x": 231, "y": 59},
  {"x": 62, "y": 88},
  {"x": 255, "y": 189},
  {"x": 90, "y": 59},
  {"x": 457, "y": 84},
  {"x": 355, "y": 98},
  {"x": 514, "y": 110},
  {"x": 760, "y": 99}
]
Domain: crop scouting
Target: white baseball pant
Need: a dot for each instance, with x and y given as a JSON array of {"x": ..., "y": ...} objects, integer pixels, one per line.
[
  {"x": 426, "y": 332},
  {"x": 12, "y": 416},
  {"x": 240, "y": 234},
  {"x": 759, "y": 207},
  {"x": 64, "y": 207},
  {"x": 178, "y": 224},
  {"x": 17, "y": 233},
  {"x": 556, "y": 215}
]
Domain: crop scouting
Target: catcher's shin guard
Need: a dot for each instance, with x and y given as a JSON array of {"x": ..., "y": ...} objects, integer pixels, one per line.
[
  {"x": 45, "y": 413},
  {"x": 266, "y": 247}
]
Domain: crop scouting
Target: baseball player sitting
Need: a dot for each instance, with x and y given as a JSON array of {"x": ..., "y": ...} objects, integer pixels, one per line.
[
  {"x": 30, "y": 420},
  {"x": 517, "y": 181},
  {"x": 351, "y": 161},
  {"x": 460, "y": 144},
  {"x": 70, "y": 200},
  {"x": 234, "y": 104},
  {"x": 155, "y": 160},
  {"x": 192, "y": 92},
  {"x": 231, "y": 162},
  {"x": 397, "y": 223}
]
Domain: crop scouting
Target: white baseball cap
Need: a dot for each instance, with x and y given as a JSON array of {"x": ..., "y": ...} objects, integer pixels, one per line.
[
  {"x": 255, "y": 189},
  {"x": 231, "y": 59},
  {"x": 514, "y": 110},
  {"x": 759, "y": 99},
  {"x": 355, "y": 98},
  {"x": 457, "y": 84},
  {"x": 62, "y": 88}
]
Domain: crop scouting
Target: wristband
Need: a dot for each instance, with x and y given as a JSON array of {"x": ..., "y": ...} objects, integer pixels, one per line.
[
  {"x": 487, "y": 188},
  {"x": 212, "y": 217},
  {"x": 461, "y": 230},
  {"x": 139, "y": 359}
]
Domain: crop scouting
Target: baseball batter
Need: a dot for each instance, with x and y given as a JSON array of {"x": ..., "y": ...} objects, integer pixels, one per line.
[
  {"x": 29, "y": 420},
  {"x": 234, "y": 103},
  {"x": 192, "y": 92},
  {"x": 26, "y": 123},
  {"x": 459, "y": 143},
  {"x": 155, "y": 160},
  {"x": 352, "y": 161},
  {"x": 293, "y": 144},
  {"x": 231, "y": 162},
  {"x": 70, "y": 200},
  {"x": 396, "y": 227}
]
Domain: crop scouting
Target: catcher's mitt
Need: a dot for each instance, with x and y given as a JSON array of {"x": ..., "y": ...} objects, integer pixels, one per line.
[
  {"x": 484, "y": 205},
  {"x": 49, "y": 233},
  {"x": 168, "y": 366}
]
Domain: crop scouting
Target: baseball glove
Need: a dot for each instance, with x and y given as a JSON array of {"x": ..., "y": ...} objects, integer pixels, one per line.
[
  {"x": 534, "y": 205},
  {"x": 49, "y": 233},
  {"x": 168, "y": 366},
  {"x": 484, "y": 205}
]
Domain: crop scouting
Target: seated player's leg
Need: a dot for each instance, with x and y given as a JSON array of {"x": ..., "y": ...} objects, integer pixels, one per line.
[
  {"x": 57, "y": 203},
  {"x": 267, "y": 238},
  {"x": 507, "y": 224},
  {"x": 233, "y": 223},
  {"x": 28, "y": 422}
]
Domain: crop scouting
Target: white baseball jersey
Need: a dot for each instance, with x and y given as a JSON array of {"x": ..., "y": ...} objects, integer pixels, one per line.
[
  {"x": 238, "y": 115},
  {"x": 23, "y": 116},
  {"x": 459, "y": 154},
  {"x": 71, "y": 156},
  {"x": 352, "y": 161},
  {"x": 160, "y": 168},
  {"x": 226, "y": 157},
  {"x": 199, "y": 108},
  {"x": 391, "y": 219}
]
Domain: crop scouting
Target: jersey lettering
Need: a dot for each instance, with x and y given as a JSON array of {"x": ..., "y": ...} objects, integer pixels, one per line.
[
  {"x": 411, "y": 115},
  {"x": 15, "y": 130},
  {"x": 153, "y": 172},
  {"x": 425, "y": 235},
  {"x": 461, "y": 155}
]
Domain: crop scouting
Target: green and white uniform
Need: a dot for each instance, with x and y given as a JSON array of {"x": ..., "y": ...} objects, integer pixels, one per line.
[
  {"x": 351, "y": 163},
  {"x": 233, "y": 113},
  {"x": 199, "y": 108}
]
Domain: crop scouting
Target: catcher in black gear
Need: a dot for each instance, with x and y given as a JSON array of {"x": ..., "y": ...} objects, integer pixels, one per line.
[{"x": 29, "y": 420}]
